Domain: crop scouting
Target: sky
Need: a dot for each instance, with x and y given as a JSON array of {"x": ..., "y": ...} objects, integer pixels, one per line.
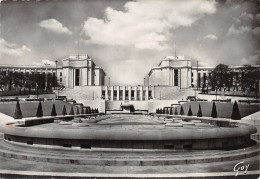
[{"x": 128, "y": 38}]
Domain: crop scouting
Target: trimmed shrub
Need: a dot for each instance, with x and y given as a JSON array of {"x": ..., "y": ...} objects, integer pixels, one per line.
[
  {"x": 71, "y": 111},
  {"x": 235, "y": 113},
  {"x": 39, "y": 112},
  {"x": 18, "y": 112},
  {"x": 181, "y": 111},
  {"x": 176, "y": 111},
  {"x": 190, "y": 112},
  {"x": 53, "y": 111},
  {"x": 64, "y": 111},
  {"x": 214, "y": 113},
  {"x": 199, "y": 114}
]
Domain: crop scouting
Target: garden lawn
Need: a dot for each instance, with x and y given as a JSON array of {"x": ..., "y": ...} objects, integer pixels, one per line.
[
  {"x": 224, "y": 110},
  {"x": 29, "y": 109}
]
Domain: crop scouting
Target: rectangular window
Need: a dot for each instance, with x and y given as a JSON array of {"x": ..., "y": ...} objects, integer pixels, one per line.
[
  {"x": 60, "y": 79},
  {"x": 115, "y": 95},
  {"x": 187, "y": 146},
  {"x": 103, "y": 94},
  {"x": 109, "y": 94},
  {"x": 126, "y": 95},
  {"x": 176, "y": 77},
  {"x": 132, "y": 94},
  {"x": 168, "y": 146},
  {"x": 204, "y": 79},
  {"x": 77, "y": 77},
  {"x": 85, "y": 146},
  {"x": 138, "y": 95},
  {"x": 192, "y": 74},
  {"x": 67, "y": 145},
  {"x": 150, "y": 94},
  {"x": 144, "y": 95},
  {"x": 60, "y": 73},
  {"x": 120, "y": 94}
]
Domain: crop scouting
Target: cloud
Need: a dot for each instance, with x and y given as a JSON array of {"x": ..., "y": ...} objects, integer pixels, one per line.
[
  {"x": 245, "y": 15},
  {"x": 43, "y": 62},
  {"x": 252, "y": 58},
  {"x": 211, "y": 37},
  {"x": 244, "y": 29},
  {"x": 237, "y": 31},
  {"x": 11, "y": 49},
  {"x": 257, "y": 16},
  {"x": 55, "y": 26},
  {"x": 145, "y": 24}
]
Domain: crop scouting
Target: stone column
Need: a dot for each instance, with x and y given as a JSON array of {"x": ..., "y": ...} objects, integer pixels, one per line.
[
  {"x": 141, "y": 93},
  {"x": 146, "y": 93},
  {"x": 112, "y": 93},
  {"x": 106, "y": 93},
  {"x": 117, "y": 94},
  {"x": 129, "y": 93}
]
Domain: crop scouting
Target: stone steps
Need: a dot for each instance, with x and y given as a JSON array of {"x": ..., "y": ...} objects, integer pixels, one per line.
[{"x": 116, "y": 158}]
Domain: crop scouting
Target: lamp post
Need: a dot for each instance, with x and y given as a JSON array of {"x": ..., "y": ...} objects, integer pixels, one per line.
[{"x": 46, "y": 72}]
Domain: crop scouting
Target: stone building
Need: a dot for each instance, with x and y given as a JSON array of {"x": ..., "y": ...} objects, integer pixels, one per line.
[
  {"x": 80, "y": 70},
  {"x": 76, "y": 70},
  {"x": 172, "y": 71}
]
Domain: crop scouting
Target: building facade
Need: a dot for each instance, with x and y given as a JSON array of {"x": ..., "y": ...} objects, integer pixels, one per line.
[
  {"x": 80, "y": 70},
  {"x": 167, "y": 81},
  {"x": 172, "y": 71},
  {"x": 76, "y": 70}
]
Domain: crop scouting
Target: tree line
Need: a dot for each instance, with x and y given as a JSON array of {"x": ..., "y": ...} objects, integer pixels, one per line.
[
  {"x": 223, "y": 78},
  {"x": 16, "y": 80}
]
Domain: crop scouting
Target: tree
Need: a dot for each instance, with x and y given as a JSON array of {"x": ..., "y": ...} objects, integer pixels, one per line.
[
  {"x": 220, "y": 77},
  {"x": 235, "y": 113},
  {"x": 190, "y": 112},
  {"x": 214, "y": 113},
  {"x": 71, "y": 111},
  {"x": 97, "y": 110},
  {"x": 156, "y": 111},
  {"x": 53, "y": 111},
  {"x": 18, "y": 112},
  {"x": 3, "y": 80},
  {"x": 199, "y": 114},
  {"x": 64, "y": 111},
  {"x": 181, "y": 111},
  {"x": 175, "y": 112},
  {"x": 39, "y": 112},
  {"x": 249, "y": 78}
]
